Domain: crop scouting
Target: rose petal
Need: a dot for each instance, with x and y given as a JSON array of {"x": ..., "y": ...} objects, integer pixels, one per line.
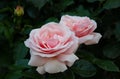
[
  {"x": 94, "y": 26},
  {"x": 55, "y": 67},
  {"x": 68, "y": 59},
  {"x": 89, "y": 30},
  {"x": 36, "y": 37},
  {"x": 85, "y": 38},
  {"x": 40, "y": 70},
  {"x": 58, "y": 51},
  {"x": 31, "y": 44},
  {"x": 66, "y": 20},
  {"x": 58, "y": 29},
  {"x": 94, "y": 40},
  {"x": 73, "y": 47},
  {"x": 37, "y": 60},
  {"x": 81, "y": 26},
  {"x": 52, "y": 43}
]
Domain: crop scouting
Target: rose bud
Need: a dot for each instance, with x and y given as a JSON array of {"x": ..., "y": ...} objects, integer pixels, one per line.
[{"x": 19, "y": 11}]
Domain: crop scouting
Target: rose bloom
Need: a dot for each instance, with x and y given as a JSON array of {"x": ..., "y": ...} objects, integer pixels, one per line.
[
  {"x": 52, "y": 48},
  {"x": 83, "y": 28}
]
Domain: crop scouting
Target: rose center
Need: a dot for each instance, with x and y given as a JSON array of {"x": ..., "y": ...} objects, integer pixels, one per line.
[
  {"x": 81, "y": 25},
  {"x": 52, "y": 42}
]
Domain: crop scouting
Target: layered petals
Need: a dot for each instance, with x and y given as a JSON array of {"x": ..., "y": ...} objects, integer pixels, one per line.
[
  {"x": 52, "y": 48},
  {"x": 41, "y": 70},
  {"x": 94, "y": 40},
  {"x": 68, "y": 59},
  {"x": 53, "y": 66},
  {"x": 83, "y": 27},
  {"x": 36, "y": 60}
]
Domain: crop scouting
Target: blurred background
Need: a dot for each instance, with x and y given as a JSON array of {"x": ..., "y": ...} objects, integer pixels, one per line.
[{"x": 19, "y": 17}]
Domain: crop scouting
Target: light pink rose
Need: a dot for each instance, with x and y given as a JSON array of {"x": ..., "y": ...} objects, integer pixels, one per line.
[
  {"x": 83, "y": 28},
  {"x": 52, "y": 48}
]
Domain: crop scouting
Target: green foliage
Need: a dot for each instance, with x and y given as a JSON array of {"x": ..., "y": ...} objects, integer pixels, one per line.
[
  {"x": 82, "y": 11},
  {"x": 117, "y": 30},
  {"x": 20, "y": 51},
  {"x": 84, "y": 68},
  {"x": 22, "y": 63},
  {"x": 112, "y": 51},
  {"x": 14, "y": 75},
  {"x": 38, "y": 3},
  {"x": 94, "y": 0},
  {"x": 107, "y": 65},
  {"x": 69, "y": 75},
  {"x": 99, "y": 61},
  {"x": 112, "y": 4},
  {"x": 62, "y": 4}
]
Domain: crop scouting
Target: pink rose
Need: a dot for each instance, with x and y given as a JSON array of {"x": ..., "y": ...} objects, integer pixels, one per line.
[
  {"x": 83, "y": 28},
  {"x": 52, "y": 48}
]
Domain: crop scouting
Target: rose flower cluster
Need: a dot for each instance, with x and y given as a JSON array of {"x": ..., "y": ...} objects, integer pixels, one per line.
[{"x": 53, "y": 46}]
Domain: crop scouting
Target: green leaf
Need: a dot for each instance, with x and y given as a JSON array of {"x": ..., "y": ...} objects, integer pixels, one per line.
[
  {"x": 112, "y": 50},
  {"x": 82, "y": 11},
  {"x": 70, "y": 73},
  {"x": 110, "y": 4},
  {"x": 32, "y": 12},
  {"x": 117, "y": 30},
  {"x": 53, "y": 19},
  {"x": 2, "y": 16},
  {"x": 94, "y": 0},
  {"x": 20, "y": 51},
  {"x": 14, "y": 75},
  {"x": 32, "y": 74},
  {"x": 61, "y": 5},
  {"x": 65, "y": 3},
  {"x": 87, "y": 55},
  {"x": 23, "y": 63},
  {"x": 4, "y": 9},
  {"x": 38, "y": 3},
  {"x": 107, "y": 65},
  {"x": 84, "y": 68},
  {"x": 2, "y": 28},
  {"x": 79, "y": 11},
  {"x": 8, "y": 32},
  {"x": 6, "y": 57},
  {"x": 26, "y": 30}
]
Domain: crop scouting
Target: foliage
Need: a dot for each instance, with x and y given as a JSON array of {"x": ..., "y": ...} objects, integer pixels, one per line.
[{"x": 99, "y": 61}]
